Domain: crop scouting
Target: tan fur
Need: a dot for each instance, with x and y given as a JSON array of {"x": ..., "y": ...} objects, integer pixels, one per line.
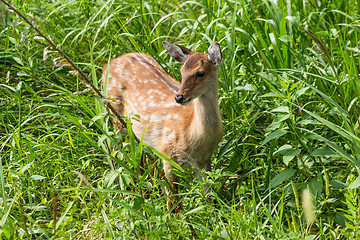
[{"x": 141, "y": 87}]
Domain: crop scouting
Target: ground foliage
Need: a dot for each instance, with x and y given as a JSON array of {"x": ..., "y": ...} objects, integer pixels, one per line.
[{"x": 289, "y": 96}]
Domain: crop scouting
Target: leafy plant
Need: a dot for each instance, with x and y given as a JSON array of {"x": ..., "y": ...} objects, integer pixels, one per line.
[{"x": 289, "y": 97}]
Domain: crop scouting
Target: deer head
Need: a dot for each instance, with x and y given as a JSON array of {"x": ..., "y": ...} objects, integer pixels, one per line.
[{"x": 199, "y": 72}]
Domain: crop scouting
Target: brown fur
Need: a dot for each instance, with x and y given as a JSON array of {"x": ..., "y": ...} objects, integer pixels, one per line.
[{"x": 185, "y": 133}]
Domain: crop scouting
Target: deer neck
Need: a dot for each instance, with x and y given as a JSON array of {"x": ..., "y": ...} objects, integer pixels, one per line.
[{"x": 206, "y": 123}]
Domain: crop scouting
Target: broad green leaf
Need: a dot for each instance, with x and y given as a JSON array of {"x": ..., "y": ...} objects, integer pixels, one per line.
[
  {"x": 37, "y": 177},
  {"x": 293, "y": 19},
  {"x": 315, "y": 187},
  {"x": 273, "y": 94},
  {"x": 285, "y": 38},
  {"x": 299, "y": 92},
  {"x": 288, "y": 153},
  {"x": 341, "y": 219},
  {"x": 97, "y": 117},
  {"x": 281, "y": 117},
  {"x": 26, "y": 167},
  {"x": 12, "y": 40},
  {"x": 276, "y": 123},
  {"x": 110, "y": 177},
  {"x": 166, "y": 158},
  {"x": 282, "y": 177},
  {"x": 274, "y": 135},
  {"x": 195, "y": 210},
  {"x": 309, "y": 121},
  {"x": 355, "y": 184},
  {"x": 335, "y": 147},
  {"x": 284, "y": 109},
  {"x": 18, "y": 60},
  {"x": 22, "y": 73},
  {"x": 337, "y": 184},
  {"x": 247, "y": 87},
  {"x": 283, "y": 149},
  {"x": 323, "y": 151}
]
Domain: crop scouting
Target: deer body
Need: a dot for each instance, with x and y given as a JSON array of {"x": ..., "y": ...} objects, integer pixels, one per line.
[{"x": 181, "y": 121}]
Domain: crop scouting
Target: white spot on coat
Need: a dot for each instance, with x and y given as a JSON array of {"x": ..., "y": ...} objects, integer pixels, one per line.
[
  {"x": 155, "y": 118},
  {"x": 171, "y": 136}
]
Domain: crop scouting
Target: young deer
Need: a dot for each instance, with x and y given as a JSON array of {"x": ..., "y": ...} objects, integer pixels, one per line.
[{"x": 181, "y": 121}]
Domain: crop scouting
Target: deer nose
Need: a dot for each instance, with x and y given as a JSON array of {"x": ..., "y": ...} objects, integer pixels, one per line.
[{"x": 179, "y": 98}]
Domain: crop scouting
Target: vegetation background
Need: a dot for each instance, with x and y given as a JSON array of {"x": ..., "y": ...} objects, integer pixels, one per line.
[{"x": 289, "y": 96}]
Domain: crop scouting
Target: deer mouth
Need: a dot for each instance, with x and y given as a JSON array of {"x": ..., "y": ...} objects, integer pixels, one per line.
[
  {"x": 187, "y": 102},
  {"x": 180, "y": 99}
]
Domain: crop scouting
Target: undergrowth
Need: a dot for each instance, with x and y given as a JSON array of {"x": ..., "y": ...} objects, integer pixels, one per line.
[{"x": 289, "y": 97}]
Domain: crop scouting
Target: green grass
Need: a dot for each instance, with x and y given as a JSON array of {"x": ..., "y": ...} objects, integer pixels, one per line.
[{"x": 289, "y": 96}]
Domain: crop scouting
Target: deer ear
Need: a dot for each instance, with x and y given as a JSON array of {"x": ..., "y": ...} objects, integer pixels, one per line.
[
  {"x": 215, "y": 55},
  {"x": 179, "y": 53}
]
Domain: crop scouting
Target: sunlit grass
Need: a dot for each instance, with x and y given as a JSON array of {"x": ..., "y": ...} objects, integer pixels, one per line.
[{"x": 289, "y": 89}]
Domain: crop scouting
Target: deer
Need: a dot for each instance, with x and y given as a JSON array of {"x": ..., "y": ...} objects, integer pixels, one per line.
[{"x": 182, "y": 121}]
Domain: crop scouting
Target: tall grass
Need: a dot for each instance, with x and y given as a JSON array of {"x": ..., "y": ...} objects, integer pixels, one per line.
[{"x": 289, "y": 97}]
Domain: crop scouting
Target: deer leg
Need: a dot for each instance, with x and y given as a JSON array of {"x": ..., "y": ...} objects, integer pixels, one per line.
[
  {"x": 173, "y": 179},
  {"x": 203, "y": 174}
]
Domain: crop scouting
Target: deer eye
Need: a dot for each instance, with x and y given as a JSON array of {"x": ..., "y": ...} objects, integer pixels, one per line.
[{"x": 200, "y": 74}]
